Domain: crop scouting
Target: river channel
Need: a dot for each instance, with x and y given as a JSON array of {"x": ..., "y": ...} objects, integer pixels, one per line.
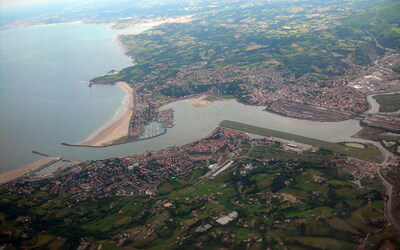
[
  {"x": 195, "y": 123},
  {"x": 45, "y": 99}
]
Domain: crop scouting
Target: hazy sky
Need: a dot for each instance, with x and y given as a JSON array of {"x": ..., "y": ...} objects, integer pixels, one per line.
[{"x": 26, "y": 3}]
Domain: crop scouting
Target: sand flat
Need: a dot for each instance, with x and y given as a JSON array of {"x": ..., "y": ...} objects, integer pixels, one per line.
[{"x": 202, "y": 103}]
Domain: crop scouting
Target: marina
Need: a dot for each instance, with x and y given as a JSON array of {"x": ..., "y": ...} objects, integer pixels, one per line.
[{"x": 154, "y": 129}]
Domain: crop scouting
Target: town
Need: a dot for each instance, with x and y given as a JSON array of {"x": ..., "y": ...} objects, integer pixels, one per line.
[
  {"x": 241, "y": 186},
  {"x": 197, "y": 189}
]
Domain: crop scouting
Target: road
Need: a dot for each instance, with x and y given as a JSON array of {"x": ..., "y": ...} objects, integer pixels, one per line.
[
  {"x": 377, "y": 61},
  {"x": 306, "y": 140},
  {"x": 326, "y": 145},
  {"x": 385, "y": 153},
  {"x": 389, "y": 203},
  {"x": 377, "y": 43}
]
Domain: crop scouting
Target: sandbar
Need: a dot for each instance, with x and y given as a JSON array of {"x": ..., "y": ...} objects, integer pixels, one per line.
[
  {"x": 118, "y": 129},
  {"x": 202, "y": 103},
  {"x": 11, "y": 175}
]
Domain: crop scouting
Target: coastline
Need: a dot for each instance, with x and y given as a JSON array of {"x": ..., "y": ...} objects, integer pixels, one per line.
[
  {"x": 113, "y": 130},
  {"x": 193, "y": 99},
  {"x": 119, "y": 128},
  {"x": 104, "y": 137},
  {"x": 14, "y": 174}
]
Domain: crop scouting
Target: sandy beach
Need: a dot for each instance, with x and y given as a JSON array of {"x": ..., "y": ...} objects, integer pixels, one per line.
[
  {"x": 116, "y": 130},
  {"x": 119, "y": 128},
  {"x": 11, "y": 175},
  {"x": 202, "y": 104}
]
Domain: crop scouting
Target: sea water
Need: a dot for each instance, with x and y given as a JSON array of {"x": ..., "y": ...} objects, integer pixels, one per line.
[
  {"x": 45, "y": 96},
  {"x": 195, "y": 123},
  {"x": 45, "y": 99}
]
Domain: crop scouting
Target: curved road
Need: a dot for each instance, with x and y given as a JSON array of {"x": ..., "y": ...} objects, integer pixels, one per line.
[
  {"x": 266, "y": 132},
  {"x": 377, "y": 61},
  {"x": 389, "y": 203},
  {"x": 377, "y": 43},
  {"x": 386, "y": 153}
]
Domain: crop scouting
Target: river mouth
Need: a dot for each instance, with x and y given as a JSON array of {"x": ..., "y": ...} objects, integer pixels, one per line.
[
  {"x": 72, "y": 112},
  {"x": 192, "y": 124},
  {"x": 45, "y": 97}
]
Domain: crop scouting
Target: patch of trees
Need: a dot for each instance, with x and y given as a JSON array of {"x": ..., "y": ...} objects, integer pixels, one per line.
[{"x": 174, "y": 91}]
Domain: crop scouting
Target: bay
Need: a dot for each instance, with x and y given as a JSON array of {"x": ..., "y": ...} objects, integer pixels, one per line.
[
  {"x": 45, "y": 99},
  {"x": 44, "y": 94}
]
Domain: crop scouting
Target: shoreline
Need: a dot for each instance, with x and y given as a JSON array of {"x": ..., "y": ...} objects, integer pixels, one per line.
[
  {"x": 17, "y": 173},
  {"x": 104, "y": 135},
  {"x": 118, "y": 128},
  {"x": 373, "y": 105},
  {"x": 110, "y": 145},
  {"x": 14, "y": 174},
  {"x": 103, "y": 138}
]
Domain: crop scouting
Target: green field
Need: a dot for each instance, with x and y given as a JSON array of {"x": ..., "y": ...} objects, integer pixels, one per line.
[
  {"x": 364, "y": 154},
  {"x": 388, "y": 103},
  {"x": 212, "y": 57},
  {"x": 233, "y": 49},
  {"x": 278, "y": 197}
]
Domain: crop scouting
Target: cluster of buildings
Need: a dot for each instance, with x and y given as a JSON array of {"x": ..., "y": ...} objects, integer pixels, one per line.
[
  {"x": 310, "y": 90},
  {"x": 389, "y": 123},
  {"x": 295, "y": 146},
  {"x": 259, "y": 86},
  {"x": 356, "y": 167},
  {"x": 166, "y": 118},
  {"x": 345, "y": 94},
  {"x": 134, "y": 175},
  {"x": 359, "y": 168},
  {"x": 370, "y": 80},
  {"x": 145, "y": 113}
]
